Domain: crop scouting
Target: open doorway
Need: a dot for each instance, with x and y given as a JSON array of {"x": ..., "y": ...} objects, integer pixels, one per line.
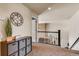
[{"x": 34, "y": 29}]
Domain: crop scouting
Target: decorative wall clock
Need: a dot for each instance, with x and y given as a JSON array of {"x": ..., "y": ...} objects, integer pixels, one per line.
[{"x": 16, "y": 19}]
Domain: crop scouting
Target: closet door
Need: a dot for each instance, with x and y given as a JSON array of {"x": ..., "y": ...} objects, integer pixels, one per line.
[{"x": 34, "y": 29}]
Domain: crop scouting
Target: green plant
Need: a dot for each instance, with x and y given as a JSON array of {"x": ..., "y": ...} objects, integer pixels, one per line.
[{"x": 8, "y": 28}]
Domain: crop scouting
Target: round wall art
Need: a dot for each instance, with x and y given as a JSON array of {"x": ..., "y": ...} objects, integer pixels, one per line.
[{"x": 16, "y": 19}]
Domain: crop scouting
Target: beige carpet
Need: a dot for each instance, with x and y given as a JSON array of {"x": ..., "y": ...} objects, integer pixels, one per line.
[{"x": 39, "y": 49}]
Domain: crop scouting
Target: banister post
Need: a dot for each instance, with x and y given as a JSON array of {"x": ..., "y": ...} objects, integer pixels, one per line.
[{"x": 59, "y": 34}]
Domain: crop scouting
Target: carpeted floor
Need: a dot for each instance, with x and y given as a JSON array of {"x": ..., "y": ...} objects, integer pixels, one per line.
[{"x": 39, "y": 49}]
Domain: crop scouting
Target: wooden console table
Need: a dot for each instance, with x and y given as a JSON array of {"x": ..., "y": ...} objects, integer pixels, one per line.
[{"x": 22, "y": 46}]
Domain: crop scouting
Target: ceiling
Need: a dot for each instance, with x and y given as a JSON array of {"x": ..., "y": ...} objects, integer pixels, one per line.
[
  {"x": 59, "y": 11},
  {"x": 38, "y": 7}
]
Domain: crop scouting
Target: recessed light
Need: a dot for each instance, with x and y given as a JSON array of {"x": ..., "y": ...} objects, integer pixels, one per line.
[{"x": 49, "y": 8}]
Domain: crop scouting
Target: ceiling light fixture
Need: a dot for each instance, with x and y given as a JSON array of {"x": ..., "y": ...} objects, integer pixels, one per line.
[{"x": 49, "y": 8}]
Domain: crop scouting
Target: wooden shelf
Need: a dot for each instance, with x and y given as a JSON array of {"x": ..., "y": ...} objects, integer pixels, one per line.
[{"x": 15, "y": 45}]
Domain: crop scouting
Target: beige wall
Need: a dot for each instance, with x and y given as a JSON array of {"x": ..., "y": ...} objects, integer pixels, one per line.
[
  {"x": 41, "y": 27},
  {"x": 26, "y": 28}
]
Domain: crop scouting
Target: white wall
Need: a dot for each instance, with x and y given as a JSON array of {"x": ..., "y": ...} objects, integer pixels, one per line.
[
  {"x": 74, "y": 30},
  {"x": 26, "y": 28}
]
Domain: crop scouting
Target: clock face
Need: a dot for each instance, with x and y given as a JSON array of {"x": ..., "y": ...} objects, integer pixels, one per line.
[{"x": 16, "y": 19}]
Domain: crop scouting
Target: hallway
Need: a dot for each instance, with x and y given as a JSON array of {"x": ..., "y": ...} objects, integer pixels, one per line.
[
  {"x": 45, "y": 23},
  {"x": 39, "y": 49}
]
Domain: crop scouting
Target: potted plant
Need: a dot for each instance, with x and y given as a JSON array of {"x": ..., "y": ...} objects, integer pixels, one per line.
[{"x": 8, "y": 30}]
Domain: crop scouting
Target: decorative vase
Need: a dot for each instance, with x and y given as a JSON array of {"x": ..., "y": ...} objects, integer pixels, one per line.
[{"x": 11, "y": 38}]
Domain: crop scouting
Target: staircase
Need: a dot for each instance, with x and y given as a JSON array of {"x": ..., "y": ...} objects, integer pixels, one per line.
[
  {"x": 74, "y": 51},
  {"x": 75, "y": 43}
]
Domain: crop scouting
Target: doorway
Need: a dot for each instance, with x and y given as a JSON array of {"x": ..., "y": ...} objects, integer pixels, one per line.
[{"x": 34, "y": 29}]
